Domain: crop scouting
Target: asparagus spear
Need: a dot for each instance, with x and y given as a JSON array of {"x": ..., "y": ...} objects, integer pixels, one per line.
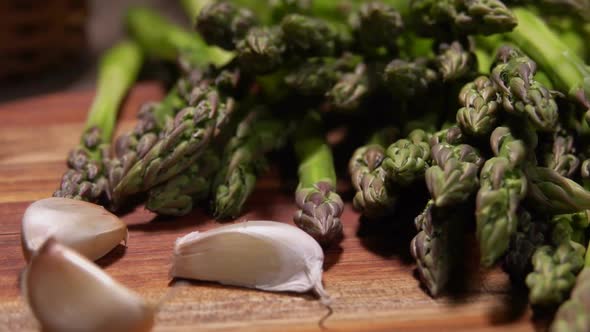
[
  {"x": 407, "y": 79},
  {"x": 177, "y": 196},
  {"x": 565, "y": 69},
  {"x": 560, "y": 157},
  {"x": 223, "y": 23},
  {"x": 481, "y": 101},
  {"x": 556, "y": 264},
  {"x": 572, "y": 8},
  {"x": 352, "y": 88},
  {"x": 486, "y": 17},
  {"x": 261, "y": 50},
  {"x": 317, "y": 76},
  {"x": 151, "y": 121},
  {"x": 85, "y": 179},
  {"x": 521, "y": 93},
  {"x": 555, "y": 270},
  {"x": 405, "y": 161},
  {"x": 319, "y": 204},
  {"x": 368, "y": 157},
  {"x": 503, "y": 186},
  {"x": 164, "y": 40},
  {"x": 450, "y": 135},
  {"x": 177, "y": 149},
  {"x": 571, "y": 227},
  {"x": 453, "y": 178},
  {"x": 455, "y": 61},
  {"x": 376, "y": 25},
  {"x": 244, "y": 160},
  {"x": 572, "y": 315},
  {"x": 430, "y": 247},
  {"x": 451, "y": 181},
  {"x": 554, "y": 193},
  {"x": 308, "y": 36}
]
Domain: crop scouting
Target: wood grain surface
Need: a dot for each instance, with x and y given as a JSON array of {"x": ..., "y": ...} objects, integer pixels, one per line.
[{"x": 369, "y": 277}]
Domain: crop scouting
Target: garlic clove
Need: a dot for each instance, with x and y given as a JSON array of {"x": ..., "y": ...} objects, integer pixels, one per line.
[
  {"x": 265, "y": 255},
  {"x": 67, "y": 292},
  {"x": 85, "y": 227}
]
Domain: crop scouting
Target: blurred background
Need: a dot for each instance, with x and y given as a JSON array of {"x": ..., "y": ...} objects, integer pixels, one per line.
[{"x": 56, "y": 47}]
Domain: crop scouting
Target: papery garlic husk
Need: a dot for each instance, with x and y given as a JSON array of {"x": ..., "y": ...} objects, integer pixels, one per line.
[
  {"x": 67, "y": 292},
  {"x": 87, "y": 228},
  {"x": 266, "y": 255}
]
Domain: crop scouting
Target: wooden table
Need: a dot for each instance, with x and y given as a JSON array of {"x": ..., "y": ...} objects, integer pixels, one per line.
[{"x": 370, "y": 277}]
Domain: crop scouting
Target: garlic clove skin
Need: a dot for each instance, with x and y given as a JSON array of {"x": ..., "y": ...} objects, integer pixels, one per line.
[
  {"x": 85, "y": 227},
  {"x": 265, "y": 255},
  {"x": 67, "y": 292}
]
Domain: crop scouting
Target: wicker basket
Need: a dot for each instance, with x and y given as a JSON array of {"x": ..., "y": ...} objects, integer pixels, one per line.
[{"x": 36, "y": 35}]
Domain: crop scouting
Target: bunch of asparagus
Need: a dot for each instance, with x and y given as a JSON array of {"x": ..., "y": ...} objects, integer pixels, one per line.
[{"x": 489, "y": 106}]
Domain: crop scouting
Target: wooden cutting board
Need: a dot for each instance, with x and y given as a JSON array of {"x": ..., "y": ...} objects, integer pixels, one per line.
[{"x": 370, "y": 276}]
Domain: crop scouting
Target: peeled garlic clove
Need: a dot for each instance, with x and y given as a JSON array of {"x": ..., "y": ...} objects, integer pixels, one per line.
[
  {"x": 265, "y": 255},
  {"x": 67, "y": 292},
  {"x": 85, "y": 227}
]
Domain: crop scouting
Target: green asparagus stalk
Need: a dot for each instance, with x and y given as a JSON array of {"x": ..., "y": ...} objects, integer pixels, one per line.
[
  {"x": 557, "y": 264},
  {"x": 554, "y": 193},
  {"x": 503, "y": 186},
  {"x": 350, "y": 91},
  {"x": 454, "y": 177},
  {"x": 244, "y": 160},
  {"x": 151, "y": 121},
  {"x": 572, "y": 8},
  {"x": 261, "y": 50},
  {"x": 307, "y": 36},
  {"x": 319, "y": 204},
  {"x": 455, "y": 61},
  {"x": 451, "y": 181},
  {"x": 481, "y": 101},
  {"x": 486, "y": 17},
  {"x": 177, "y": 149},
  {"x": 436, "y": 247},
  {"x": 571, "y": 227},
  {"x": 85, "y": 179},
  {"x": 376, "y": 25},
  {"x": 572, "y": 315},
  {"x": 179, "y": 195},
  {"x": 430, "y": 248},
  {"x": 233, "y": 27},
  {"x": 571, "y": 32},
  {"x": 521, "y": 93},
  {"x": 560, "y": 158},
  {"x": 407, "y": 79},
  {"x": 405, "y": 161},
  {"x": 317, "y": 76},
  {"x": 368, "y": 157},
  {"x": 565, "y": 69},
  {"x": 222, "y": 23},
  {"x": 554, "y": 273},
  {"x": 450, "y": 135},
  {"x": 164, "y": 40}
]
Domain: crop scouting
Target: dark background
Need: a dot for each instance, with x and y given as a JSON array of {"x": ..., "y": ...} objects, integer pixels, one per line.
[{"x": 104, "y": 27}]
